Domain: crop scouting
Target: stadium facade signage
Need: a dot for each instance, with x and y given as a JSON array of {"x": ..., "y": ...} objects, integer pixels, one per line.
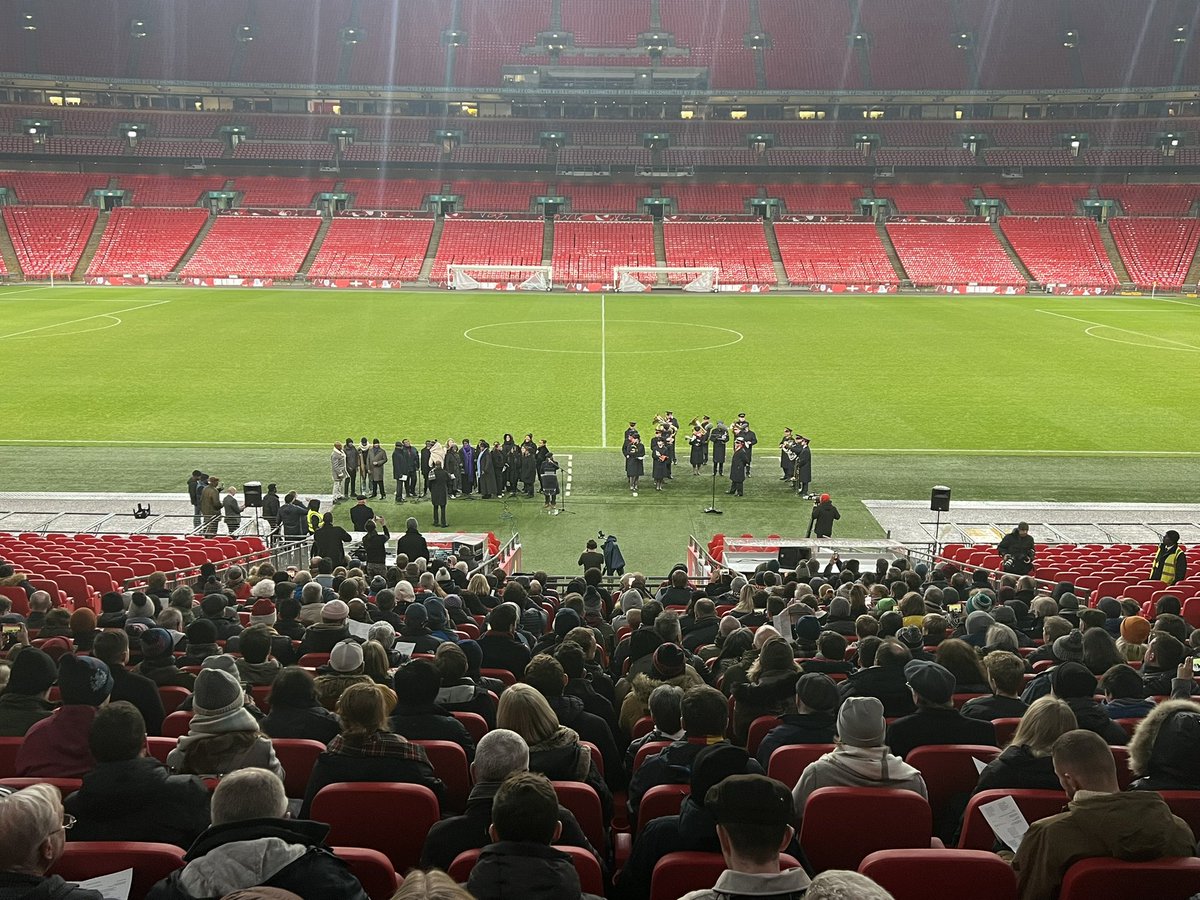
[
  {"x": 980, "y": 288},
  {"x": 230, "y": 281},
  {"x": 117, "y": 279},
  {"x": 854, "y": 288}
]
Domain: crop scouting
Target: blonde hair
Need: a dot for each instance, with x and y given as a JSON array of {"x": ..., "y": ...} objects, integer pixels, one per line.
[
  {"x": 524, "y": 710},
  {"x": 432, "y": 885},
  {"x": 362, "y": 711},
  {"x": 375, "y": 661},
  {"x": 479, "y": 586},
  {"x": 1044, "y": 722},
  {"x": 745, "y": 602}
]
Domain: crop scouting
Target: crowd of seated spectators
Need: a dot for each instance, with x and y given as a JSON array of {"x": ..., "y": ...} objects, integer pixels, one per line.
[{"x": 627, "y": 692}]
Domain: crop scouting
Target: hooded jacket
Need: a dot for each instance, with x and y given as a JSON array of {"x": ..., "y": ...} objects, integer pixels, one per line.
[
  {"x": 797, "y": 728},
  {"x": 429, "y": 722},
  {"x": 637, "y": 702},
  {"x": 1091, "y": 715},
  {"x": 312, "y": 723},
  {"x": 139, "y": 800},
  {"x": 283, "y": 853},
  {"x": 20, "y": 712},
  {"x": 847, "y": 766},
  {"x": 467, "y": 696},
  {"x": 1163, "y": 749},
  {"x": 523, "y": 870},
  {"x": 1134, "y": 826}
]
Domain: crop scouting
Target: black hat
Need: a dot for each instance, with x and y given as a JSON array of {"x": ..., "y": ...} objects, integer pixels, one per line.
[
  {"x": 933, "y": 682},
  {"x": 750, "y": 800},
  {"x": 1072, "y": 680},
  {"x": 32, "y": 672},
  {"x": 714, "y": 764},
  {"x": 669, "y": 661},
  {"x": 817, "y": 691},
  {"x": 84, "y": 680}
]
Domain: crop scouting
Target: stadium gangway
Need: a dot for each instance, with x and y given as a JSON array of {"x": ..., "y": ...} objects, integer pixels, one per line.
[
  {"x": 508, "y": 558},
  {"x": 701, "y": 564}
]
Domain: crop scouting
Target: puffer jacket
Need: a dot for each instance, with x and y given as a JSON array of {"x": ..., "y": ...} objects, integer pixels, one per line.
[
  {"x": 521, "y": 870},
  {"x": 637, "y": 702}
]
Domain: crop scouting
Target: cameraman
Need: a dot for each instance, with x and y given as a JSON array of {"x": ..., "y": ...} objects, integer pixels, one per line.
[
  {"x": 1016, "y": 550},
  {"x": 823, "y": 516}
]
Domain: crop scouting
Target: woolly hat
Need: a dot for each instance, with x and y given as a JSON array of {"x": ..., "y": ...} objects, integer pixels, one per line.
[
  {"x": 978, "y": 622},
  {"x": 141, "y": 606},
  {"x": 224, "y": 662},
  {"x": 564, "y": 620},
  {"x": 1072, "y": 679},
  {"x": 384, "y": 633},
  {"x": 911, "y": 637},
  {"x": 979, "y": 601},
  {"x": 474, "y": 654},
  {"x": 216, "y": 693},
  {"x": 436, "y": 610},
  {"x": 442, "y": 576},
  {"x": 669, "y": 661},
  {"x": 887, "y": 604},
  {"x": 453, "y": 601},
  {"x": 334, "y": 611},
  {"x": 346, "y": 657},
  {"x": 378, "y": 583},
  {"x": 262, "y": 612},
  {"x": 839, "y": 608},
  {"x": 808, "y": 628},
  {"x": 201, "y": 631},
  {"x": 157, "y": 642},
  {"x": 1069, "y": 647},
  {"x": 860, "y": 722},
  {"x": 112, "y": 602},
  {"x": 264, "y": 588},
  {"x": 57, "y": 647},
  {"x": 83, "y": 680},
  {"x": 713, "y": 764},
  {"x": 1005, "y": 615},
  {"x": 32, "y": 672},
  {"x": 776, "y": 654},
  {"x": 763, "y": 634},
  {"x": 83, "y": 620},
  {"x": 416, "y": 614},
  {"x": 817, "y": 691},
  {"x": 1135, "y": 629},
  {"x": 213, "y": 604},
  {"x": 1110, "y": 606},
  {"x": 631, "y": 600},
  {"x": 1068, "y": 600},
  {"x": 933, "y": 682}
]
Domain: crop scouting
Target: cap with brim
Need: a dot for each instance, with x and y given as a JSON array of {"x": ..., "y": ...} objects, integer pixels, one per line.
[{"x": 750, "y": 800}]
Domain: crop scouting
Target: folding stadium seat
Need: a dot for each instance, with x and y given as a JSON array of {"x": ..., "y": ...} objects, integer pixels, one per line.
[
  {"x": 353, "y": 810},
  {"x": 1061, "y": 250},
  {"x": 1156, "y": 251},
  {"x": 833, "y": 253},
  {"x": 583, "y": 801},
  {"x": 1186, "y": 805},
  {"x": 591, "y": 879},
  {"x": 1121, "y": 758},
  {"x": 1006, "y": 728},
  {"x": 297, "y": 756},
  {"x": 151, "y": 863},
  {"x": 20, "y": 600},
  {"x": 391, "y": 249},
  {"x": 475, "y": 724},
  {"x": 647, "y": 750},
  {"x": 758, "y": 730},
  {"x": 936, "y": 254},
  {"x": 502, "y": 675},
  {"x": 910, "y": 874},
  {"x": 788, "y": 763},
  {"x": 842, "y": 825},
  {"x": 372, "y": 869},
  {"x": 449, "y": 761},
  {"x": 661, "y": 800},
  {"x": 160, "y": 747},
  {"x": 171, "y": 696},
  {"x": 175, "y": 725},
  {"x": 677, "y": 874},
  {"x": 1112, "y": 879},
  {"x": 976, "y": 833}
]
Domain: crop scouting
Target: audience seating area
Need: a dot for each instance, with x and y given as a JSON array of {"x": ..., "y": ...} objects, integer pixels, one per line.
[
  {"x": 516, "y": 242},
  {"x": 738, "y": 248},
  {"x": 253, "y": 247},
  {"x": 831, "y": 253},
  {"x": 936, "y": 254},
  {"x": 587, "y": 251},
  {"x": 391, "y": 249},
  {"x": 1157, "y": 252},
  {"x": 49, "y": 240},
  {"x": 146, "y": 241},
  {"x": 1061, "y": 250}
]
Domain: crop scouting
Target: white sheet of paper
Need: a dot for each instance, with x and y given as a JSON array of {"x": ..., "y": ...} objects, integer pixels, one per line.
[
  {"x": 980, "y": 765},
  {"x": 114, "y": 887},
  {"x": 358, "y": 629},
  {"x": 783, "y": 624},
  {"x": 406, "y": 649},
  {"x": 1007, "y": 821}
]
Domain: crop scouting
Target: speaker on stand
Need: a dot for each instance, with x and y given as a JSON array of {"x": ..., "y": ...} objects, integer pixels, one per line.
[
  {"x": 939, "y": 502},
  {"x": 252, "y": 494}
]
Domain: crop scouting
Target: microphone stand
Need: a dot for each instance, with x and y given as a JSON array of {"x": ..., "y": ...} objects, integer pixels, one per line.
[{"x": 712, "y": 508}]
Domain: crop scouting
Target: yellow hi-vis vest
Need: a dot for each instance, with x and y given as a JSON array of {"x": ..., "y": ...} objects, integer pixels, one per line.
[{"x": 1168, "y": 568}]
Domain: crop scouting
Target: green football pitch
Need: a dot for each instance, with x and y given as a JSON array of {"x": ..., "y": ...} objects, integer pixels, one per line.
[{"x": 1031, "y": 397}]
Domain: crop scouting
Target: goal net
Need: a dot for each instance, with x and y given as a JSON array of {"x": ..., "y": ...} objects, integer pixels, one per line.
[
  {"x": 465, "y": 277},
  {"x": 699, "y": 279}
]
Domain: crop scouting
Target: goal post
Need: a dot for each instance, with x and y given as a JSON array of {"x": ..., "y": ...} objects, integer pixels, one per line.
[
  {"x": 698, "y": 279},
  {"x": 468, "y": 277}
]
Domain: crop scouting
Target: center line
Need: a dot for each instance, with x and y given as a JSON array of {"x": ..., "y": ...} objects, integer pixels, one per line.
[{"x": 603, "y": 383}]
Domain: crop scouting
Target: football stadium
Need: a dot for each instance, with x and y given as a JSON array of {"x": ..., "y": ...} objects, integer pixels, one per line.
[{"x": 754, "y": 438}]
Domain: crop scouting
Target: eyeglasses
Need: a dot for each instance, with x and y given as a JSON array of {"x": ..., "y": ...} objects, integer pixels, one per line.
[{"x": 68, "y": 822}]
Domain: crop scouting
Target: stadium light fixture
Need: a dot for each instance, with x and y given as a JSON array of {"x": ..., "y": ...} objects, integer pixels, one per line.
[
  {"x": 29, "y": 24},
  {"x": 964, "y": 40},
  {"x": 1179, "y": 34},
  {"x": 1070, "y": 39}
]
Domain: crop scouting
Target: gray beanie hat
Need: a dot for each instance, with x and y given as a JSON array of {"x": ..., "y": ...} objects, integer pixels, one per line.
[
  {"x": 978, "y": 622},
  {"x": 631, "y": 599},
  {"x": 216, "y": 693},
  {"x": 860, "y": 722},
  {"x": 1069, "y": 647}
]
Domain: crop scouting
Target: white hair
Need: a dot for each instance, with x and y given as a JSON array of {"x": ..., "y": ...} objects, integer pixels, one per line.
[
  {"x": 248, "y": 794},
  {"x": 842, "y": 884},
  {"x": 500, "y": 753},
  {"x": 27, "y": 818}
]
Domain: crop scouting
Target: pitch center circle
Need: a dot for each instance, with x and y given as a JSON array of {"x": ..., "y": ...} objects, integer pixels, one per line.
[{"x": 582, "y": 336}]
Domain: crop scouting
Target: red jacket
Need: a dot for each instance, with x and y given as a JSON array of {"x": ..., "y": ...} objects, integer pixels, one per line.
[{"x": 57, "y": 746}]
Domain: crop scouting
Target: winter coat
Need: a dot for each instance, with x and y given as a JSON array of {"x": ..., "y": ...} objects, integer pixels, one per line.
[
  {"x": 593, "y": 729},
  {"x": 328, "y": 541},
  {"x": 439, "y": 486},
  {"x": 809, "y": 728},
  {"x": 1137, "y": 825},
  {"x": 57, "y": 746},
  {"x": 323, "y": 637},
  {"x": 220, "y": 754},
  {"x": 738, "y": 465},
  {"x": 39, "y": 887},
  {"x": 138, "y": 800},
  {"x": 408, "y": 765},
  {"x": 637, "y": 702},
  {"x": 20, "y": 712},
  {"x": 937, "y": 725},
  {"x": 467, "y": 696},
  {"x": 887, "y": 684},
  {"x": 1018, "y": 769},
  {"x": 284, "y": 853},
  {"x": 142, "y": 693},
  {"x": 313, "y": 723},
  {"x": 671, "y": 765},
  {"x": 413, "y": 545},
  {"x": 376, "y": 459},
  {"x": 771, "y": 695},
  {"x": 561, "y": 757},
  {"x": 1091, "y": 715},
  {"x": 452, "y": 836},
  {"x": 429, "y": 722},
  {"x": 823, "y": 516},
  {"x": 694, "y": 829},
  {"x": 846, "y": 766},
  {"x": 523, "y": 870},
  {"x": 635, "y": 454},
  {"x": 993, "y": 707},
  {"x": 501, "y": 651}
]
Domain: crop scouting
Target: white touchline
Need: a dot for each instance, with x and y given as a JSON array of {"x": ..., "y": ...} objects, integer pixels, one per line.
[
  {"x": 84, "y": 319},
  {"x": 1149, "y": 337},
  {"x": 603, "y": 383}
]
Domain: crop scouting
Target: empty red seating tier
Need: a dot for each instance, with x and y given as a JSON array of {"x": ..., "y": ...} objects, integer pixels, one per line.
[
  {"x": 1156, "y": 251},
  {"x": 253, "y": 246},
  {"x": 818, "y": 198},
  {"x": 49, "y": 240},
  {"x": 1038, "y": 199},
  {"x": 604, "y": 197},
  {"x": 146, "y": 241},
  {"x": 809, "y": 44},
  {"x": 1152, "y": 199},
  {"x": 380, "y": 193},
  {"x": 927, "y": 198},
  {"x": 51, "y": 188},
  {"x": 390, "y": 249},
  {"x": 1060, "y": 250},
  {"x": 936, "y": 254},
  {"x": 833, "y": 253},
  {"x": 167, "y": 190},
  {"x": 605, "y": 23},
  {"x": 498, "y": 196},
  {"x": 515, "y": 242},
  {"x": 401, "y": 42},
  {"x": 738, "y": 249},
  {"x": 497, "y": 30},
  {"x": 714, "y": 32},
  {"x": 280, "y": 193},
  {"x": 710, "y": 198},
  {"x": 588, "y": 251}
]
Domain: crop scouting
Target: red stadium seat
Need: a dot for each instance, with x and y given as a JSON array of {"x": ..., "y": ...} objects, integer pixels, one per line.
[
  {"x": 758, "y": 730},
  {"x": 641, "y": 727},
  {"x": 297, "y": 756},
  {"x": 372, "y": 869},
  {"x": 9, "y": 746},
  {"x": 502, "y": 675},
  {"x": 475, "y": 724},
  {"x": 64, "y": 785},
  {"x": 175, "y": 725},
  {"x": 677, "y": 874},
  {"x": 583, "y": 801},
  {"x": 788, "y": 763},
  {"x": 909, "y": 874},
  {"x": 449, "y": 761},
  {"x": 171, "y": 696},
  {"x": 977, "y": 834},
  {"x": 1005, "y": 729},
  {"x": 353, "y": 810},
  {"x": 591, "y": 879},
  {"x": 661, "y": 800},
  {"x": 648, "y": 749},
  {"x": 1113, "y": 879},
  {"x": 160, "y": 747},
  {"x": 950, "y": 777},
  {"x": 151, "y": 863},
  {"x": 843, "y": 825}
]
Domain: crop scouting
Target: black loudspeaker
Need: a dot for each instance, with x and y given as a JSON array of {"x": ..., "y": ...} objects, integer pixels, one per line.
[
  {"x": 252, "y": 491},
  {"x": 790, "y": 557},
  {"x": 939, "y": 500}
]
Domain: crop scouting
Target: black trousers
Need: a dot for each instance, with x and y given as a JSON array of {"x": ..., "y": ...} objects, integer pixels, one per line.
[{"x": 439, "y": 514}]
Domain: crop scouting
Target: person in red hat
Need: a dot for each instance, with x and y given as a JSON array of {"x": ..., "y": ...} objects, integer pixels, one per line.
[{"x": 824, "y": 514}]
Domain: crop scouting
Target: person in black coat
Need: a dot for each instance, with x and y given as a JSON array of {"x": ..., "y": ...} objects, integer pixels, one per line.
[
  {"x": 1026, "y": 764},
  {"x": 719, "y": 438},
  {"x": 936, "y": 721},
  {"x": 635, "y": 453},
  {"x": 814, "y": 721},
  {"x": 660, "y": 459},
  {"x": 510, "y": 455},
  {"x": 412, "y": 543},
  {"x": 295, "y": 710},
  {"x": 439, "y": 493},
  {"x": 329, "y": 541},
  {"x": 270, "y": 509},
  {"x": 802, "y": 472},
  {"x": 112, "y": 648},
  {"x": 883, "y": 678},
  {"x": 489, "y": 485},
  {"x": 1074, "y": 684},
  {"x": 699, "y": 448},
  {"x": 417, "y": 716},
  {"x": 501, "y": 647},
  {"x": 500, "y": 753},
  {"x": 823, "y": 516},
  {"x": 249, "y": 807},
  {"x": 458, "y": 692},
  {"x": 739, "y": 468},
  {"x": 292, "y": 517},
  {"x": 526, "y": 464},
  {"x": 130, "y": 796}
]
